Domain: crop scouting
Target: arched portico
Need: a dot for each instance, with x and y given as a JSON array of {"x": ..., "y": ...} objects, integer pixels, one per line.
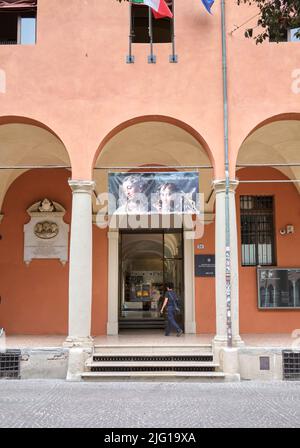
[
  {"x": 161, "y": 144},
  {"x": 30, "y": 152},
  {"x": 268, "y": 172}
]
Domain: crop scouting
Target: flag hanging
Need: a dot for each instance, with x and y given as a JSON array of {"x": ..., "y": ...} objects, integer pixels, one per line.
[
  {"x": 208, "y": 4},
  {"x": 159, "y": 7}
]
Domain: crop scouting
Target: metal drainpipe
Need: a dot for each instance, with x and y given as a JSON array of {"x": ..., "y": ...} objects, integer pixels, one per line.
[{"x": 227, "y": 221}]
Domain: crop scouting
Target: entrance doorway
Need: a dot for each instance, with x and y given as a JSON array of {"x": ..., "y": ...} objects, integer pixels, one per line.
[{"x": 149, "y": 260}]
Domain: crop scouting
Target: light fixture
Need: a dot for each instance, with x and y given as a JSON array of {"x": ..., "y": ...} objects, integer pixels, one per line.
[{"x": 287, "y": 230}]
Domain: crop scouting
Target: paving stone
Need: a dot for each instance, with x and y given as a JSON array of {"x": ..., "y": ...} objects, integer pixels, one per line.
[{"x": 61, "y": 404}]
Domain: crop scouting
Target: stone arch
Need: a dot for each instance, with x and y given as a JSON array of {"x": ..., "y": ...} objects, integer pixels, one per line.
[
  {"x": 156, "y": 119},
  {"x": 28, "y": 143},
  {"x": 273, "y": 142},
  {"x": 155, "y": 140}
]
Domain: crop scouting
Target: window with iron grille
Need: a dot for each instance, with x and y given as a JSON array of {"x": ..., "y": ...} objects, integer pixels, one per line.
[{"x": 257, "y": 230}]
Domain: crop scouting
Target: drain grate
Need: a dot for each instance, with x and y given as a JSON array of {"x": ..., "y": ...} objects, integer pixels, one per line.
[
  {"x": 128, "y": 358},
  {"x": 10, "y": 364},
  {"x": 291, "y": 365}
]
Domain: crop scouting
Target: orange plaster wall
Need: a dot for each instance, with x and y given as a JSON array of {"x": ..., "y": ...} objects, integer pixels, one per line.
[
  {"x": 287, "y": 211},
  {"x": 100, "y": 283},
  {"x": 205, "y": 287},
  {"x": 34, "y": 297}
]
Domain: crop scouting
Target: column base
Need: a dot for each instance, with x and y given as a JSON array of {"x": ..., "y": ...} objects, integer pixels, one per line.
[
  {"x": 238, "y": 341},
  {"x": 76, "y": 362},
  {"x": 72, "y": 341},
  {"x": 221, "y": 342}
]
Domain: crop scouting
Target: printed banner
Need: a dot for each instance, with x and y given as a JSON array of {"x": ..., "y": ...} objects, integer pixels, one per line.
[{"x": 154, "y": 193}]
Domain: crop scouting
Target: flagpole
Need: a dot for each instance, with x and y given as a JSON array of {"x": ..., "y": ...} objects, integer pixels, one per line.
[
  {"x": 151, "y": 57},
  {"x": 130, "y": 57},
  {"x": 173, "y": 57},
  {"x": 227, "y": 179}
]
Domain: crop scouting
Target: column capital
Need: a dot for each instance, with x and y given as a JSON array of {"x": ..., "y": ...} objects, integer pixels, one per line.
[
  {"x": 81, "y": 186},
  {"x": 219, "y": 185}
]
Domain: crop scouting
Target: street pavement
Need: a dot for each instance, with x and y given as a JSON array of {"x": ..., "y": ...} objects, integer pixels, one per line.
[{"x": 61, "y": 404}]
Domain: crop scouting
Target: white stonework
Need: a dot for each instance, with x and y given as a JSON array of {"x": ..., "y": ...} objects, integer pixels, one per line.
[
  {"x": 80, "y": 275},
  {"x": 220, "y": 339},
  {"x": 229, "y": 363},
  {"x": 249, "y": 363},
  {"x": 76, "y": 363},
  {"x": 46, "y": 235},
  {"x": 189, "y": 284},
  {"x": 113, "y": 283}
]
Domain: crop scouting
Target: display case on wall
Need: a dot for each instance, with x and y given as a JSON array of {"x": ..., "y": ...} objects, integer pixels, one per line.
[{"x": 278, "y": 288}]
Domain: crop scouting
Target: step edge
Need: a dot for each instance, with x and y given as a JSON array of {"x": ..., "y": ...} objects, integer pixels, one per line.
[
  {"x": 151, "y": 363},
  {"x": 154, "y": 374}
]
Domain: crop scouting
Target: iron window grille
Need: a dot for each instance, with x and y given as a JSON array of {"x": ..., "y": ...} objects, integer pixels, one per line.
[
  {"x": 10, "y": 364},
  {"x": 291, "y": 365},
  {"x": 257, "y": 230}
]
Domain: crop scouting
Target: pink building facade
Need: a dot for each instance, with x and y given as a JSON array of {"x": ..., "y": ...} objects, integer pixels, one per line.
[{"x": 72, "y": 111}]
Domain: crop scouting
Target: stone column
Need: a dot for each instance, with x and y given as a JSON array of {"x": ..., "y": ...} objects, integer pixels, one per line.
[
  {"x": 220, "y": 339},
  {"x": 189, "y": 283},
  {"x": 113, "y": 283},
  {"x": 80, "y": 274}
]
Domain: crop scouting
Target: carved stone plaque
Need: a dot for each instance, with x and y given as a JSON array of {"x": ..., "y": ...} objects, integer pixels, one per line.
[{"x": 46, "y": 236}]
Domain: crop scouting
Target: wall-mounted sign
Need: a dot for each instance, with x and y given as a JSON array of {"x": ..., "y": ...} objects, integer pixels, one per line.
[
  {"x": 205, "y": 265},
  {"x": 154, "y": 193}
]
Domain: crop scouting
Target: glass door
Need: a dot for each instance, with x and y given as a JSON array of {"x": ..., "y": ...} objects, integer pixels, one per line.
[
  {"x": 148, "y": 261},
  {"x": 141, "y": 280},
  {"x": 173, "y": 267}
]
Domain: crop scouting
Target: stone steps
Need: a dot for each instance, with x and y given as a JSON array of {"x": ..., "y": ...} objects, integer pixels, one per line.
[
  {"x": 147, "y": 349},
  {"x": 153, "y": 376},
  {"x": 148, "y": 362}
]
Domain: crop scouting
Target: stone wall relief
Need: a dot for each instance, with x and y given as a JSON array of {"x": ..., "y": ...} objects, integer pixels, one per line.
[{"x": 46, "y": 236}]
